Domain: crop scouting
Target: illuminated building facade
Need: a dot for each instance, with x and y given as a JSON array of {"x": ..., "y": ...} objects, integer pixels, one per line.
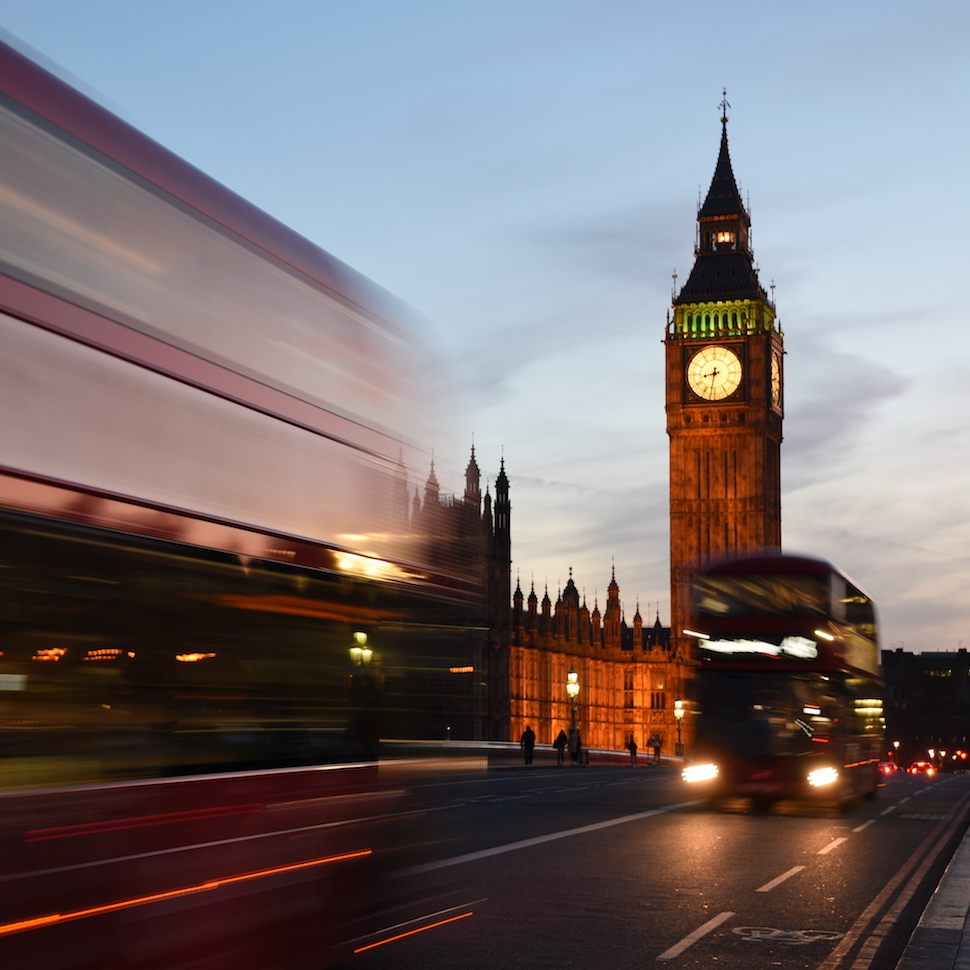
[{"x": 626, "y": 672}]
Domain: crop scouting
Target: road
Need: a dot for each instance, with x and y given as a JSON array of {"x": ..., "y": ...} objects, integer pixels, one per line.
[{"x": 615, "y": 868}]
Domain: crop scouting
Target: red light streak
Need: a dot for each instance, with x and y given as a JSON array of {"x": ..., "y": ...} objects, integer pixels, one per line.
[
  {"x": 31, "y": 924},
  {"x": 420, "y": 929},
  {"x": 141, "y": 821}
]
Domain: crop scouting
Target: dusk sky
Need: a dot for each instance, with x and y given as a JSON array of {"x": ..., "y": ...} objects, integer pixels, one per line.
[{"x": 526, "y": 175}]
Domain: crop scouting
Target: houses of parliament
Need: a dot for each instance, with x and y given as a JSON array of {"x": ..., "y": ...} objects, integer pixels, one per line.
[{"x": 724, "y": 405}]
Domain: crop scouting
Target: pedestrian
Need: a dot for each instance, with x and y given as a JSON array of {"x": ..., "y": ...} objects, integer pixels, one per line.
[
  {"x": 656, "y": 744},
  {"x": 560, "y": 745},
  {"x": 527, "y": 742},
  {"x": 575, "y": 743},
  {"x": 631, "y": 746}
]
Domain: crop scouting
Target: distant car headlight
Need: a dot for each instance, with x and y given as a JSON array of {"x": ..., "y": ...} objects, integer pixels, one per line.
[
  {"x": 822, "y": 776},
  {"x": 699, "y": 772}
]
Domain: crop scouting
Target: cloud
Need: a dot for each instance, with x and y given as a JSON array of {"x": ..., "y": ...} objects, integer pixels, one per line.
[{"x": 831, "y": 397}]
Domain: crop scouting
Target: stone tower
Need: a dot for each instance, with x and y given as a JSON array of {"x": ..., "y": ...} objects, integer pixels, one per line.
[{"x": 724, "y": 398}]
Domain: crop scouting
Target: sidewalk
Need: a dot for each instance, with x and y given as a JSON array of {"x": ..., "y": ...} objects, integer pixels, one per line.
[{"x": 941, "y": 940}]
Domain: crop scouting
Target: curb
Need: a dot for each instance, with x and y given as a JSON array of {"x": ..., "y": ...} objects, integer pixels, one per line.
[{"x": 941, "y": 940}]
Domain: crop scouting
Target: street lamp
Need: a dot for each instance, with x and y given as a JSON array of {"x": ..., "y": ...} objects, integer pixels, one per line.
[
  {"x": 360, "y": 653},
  {"x": 679, "y": 714},
  {"x": 896, "y": 752},
  {"x": 572, "y": 689}
]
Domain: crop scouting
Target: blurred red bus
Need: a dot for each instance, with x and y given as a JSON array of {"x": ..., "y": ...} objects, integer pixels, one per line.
[
  {"x": 788, "y": 694},
  {"x": 205, "y": 427}
]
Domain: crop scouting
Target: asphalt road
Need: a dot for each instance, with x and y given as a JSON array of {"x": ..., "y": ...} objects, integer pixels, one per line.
[{"x": 614, "y": 868}]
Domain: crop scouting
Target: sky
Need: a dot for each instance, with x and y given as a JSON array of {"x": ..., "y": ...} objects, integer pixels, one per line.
[{"x": 525, "y": 173}]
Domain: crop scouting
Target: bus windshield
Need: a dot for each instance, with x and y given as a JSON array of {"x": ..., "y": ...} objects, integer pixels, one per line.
[
  {"x": 767, "y": 715},
  {"x": 765, "y": 594}
]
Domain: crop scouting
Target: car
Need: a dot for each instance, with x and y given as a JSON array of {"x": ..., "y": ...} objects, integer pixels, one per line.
[
  {"x": 921, "y": 768},
  {"x": 888, "y": 768}
]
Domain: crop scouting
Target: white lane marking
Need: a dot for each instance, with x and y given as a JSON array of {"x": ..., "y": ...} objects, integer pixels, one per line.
[
  {"x": 832, "y": 845},
  {"x": 538, "y": 840},
  {"x": 610, "y": 783},
  {"x": 864, "y": 825},
  {"x": 906, "y": 799},
  {"x": 508, "y": 798},
  {"x": 692, "y": 938},
  {"x": 778, "y": 880},
  {"x": 886, "y": 811}
]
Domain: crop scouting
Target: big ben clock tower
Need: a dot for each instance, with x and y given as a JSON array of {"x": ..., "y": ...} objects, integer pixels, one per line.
[{"x": 724, "y": 398}]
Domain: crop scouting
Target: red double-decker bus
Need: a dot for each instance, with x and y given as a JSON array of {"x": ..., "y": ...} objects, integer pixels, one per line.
[
  {"x": 212, "y": 605},
  {"x": 787, "y": 694}
]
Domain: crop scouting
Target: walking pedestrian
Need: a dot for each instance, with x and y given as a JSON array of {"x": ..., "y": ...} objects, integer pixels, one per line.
[
  {"x": 575, "y": 744},
  {"x": 631, "y": 746},
  {"x": 527, "y": 742},
  {"x": 560, "y": 745},
  {"x": 656, "y": 744}
]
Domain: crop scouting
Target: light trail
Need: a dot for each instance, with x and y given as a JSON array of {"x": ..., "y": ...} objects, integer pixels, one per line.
[{"x": 53, "y": 919}]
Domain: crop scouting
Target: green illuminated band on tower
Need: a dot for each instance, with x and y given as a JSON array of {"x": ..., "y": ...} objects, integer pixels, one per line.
[{"x": 725, "y": 318}]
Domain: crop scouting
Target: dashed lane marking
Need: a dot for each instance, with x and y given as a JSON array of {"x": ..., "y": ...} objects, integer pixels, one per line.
[
  {"x": 835, "y": 843},
  {"x": 864, "y": 825},
  {"x": 690, "y": 939},
  {"x": 778, "y": 880}
]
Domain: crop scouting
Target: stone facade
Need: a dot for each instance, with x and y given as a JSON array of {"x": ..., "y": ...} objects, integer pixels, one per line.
[
  {"x": 627, "y": 675},
  {"x": 629, "y": 678}
]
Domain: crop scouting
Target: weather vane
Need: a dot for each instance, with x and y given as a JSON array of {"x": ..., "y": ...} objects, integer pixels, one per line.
[{"x": 724, "y": 105}]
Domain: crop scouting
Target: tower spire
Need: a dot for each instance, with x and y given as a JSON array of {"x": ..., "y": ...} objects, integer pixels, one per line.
[{"x": 724, "y": 270}]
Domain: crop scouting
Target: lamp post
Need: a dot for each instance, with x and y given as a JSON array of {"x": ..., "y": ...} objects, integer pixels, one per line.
[
  {"x": 572, "y": 690},
  {"x": 679, "y": 715},
  {"x": 896, "y": 753},
  {"x": 362, "y": 725}
]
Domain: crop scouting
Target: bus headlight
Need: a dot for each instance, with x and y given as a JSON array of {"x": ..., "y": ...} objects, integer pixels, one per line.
[
  {"x": 822, "y": 776},
  {"x": 699, "y": 772}
]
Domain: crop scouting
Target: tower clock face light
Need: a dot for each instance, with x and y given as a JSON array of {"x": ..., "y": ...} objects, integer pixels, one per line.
[
  {"x": 714, "y": 373},
  {"x": 776, "y": 379}
]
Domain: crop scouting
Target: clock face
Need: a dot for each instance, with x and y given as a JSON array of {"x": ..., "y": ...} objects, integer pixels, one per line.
[
  {"x": 714, "y": 373},
  {"x": 776, "y": 379}
]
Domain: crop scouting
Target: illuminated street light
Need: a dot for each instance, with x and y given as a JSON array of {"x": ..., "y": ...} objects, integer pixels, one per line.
[
  {"x": 679, "y": 714},
  {"x": 360, "y": 653},
  {"x": 572, "y": 690}
]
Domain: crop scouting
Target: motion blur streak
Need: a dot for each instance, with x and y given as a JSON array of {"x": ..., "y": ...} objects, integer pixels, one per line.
[
  {"x": 33, "y": 924},
  {"x": 420, "y": 929},
  {"x": 206, "y": 428}
]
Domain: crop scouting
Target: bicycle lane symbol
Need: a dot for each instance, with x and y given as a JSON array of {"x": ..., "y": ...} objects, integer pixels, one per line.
[{"x": 768, "y": 934}]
